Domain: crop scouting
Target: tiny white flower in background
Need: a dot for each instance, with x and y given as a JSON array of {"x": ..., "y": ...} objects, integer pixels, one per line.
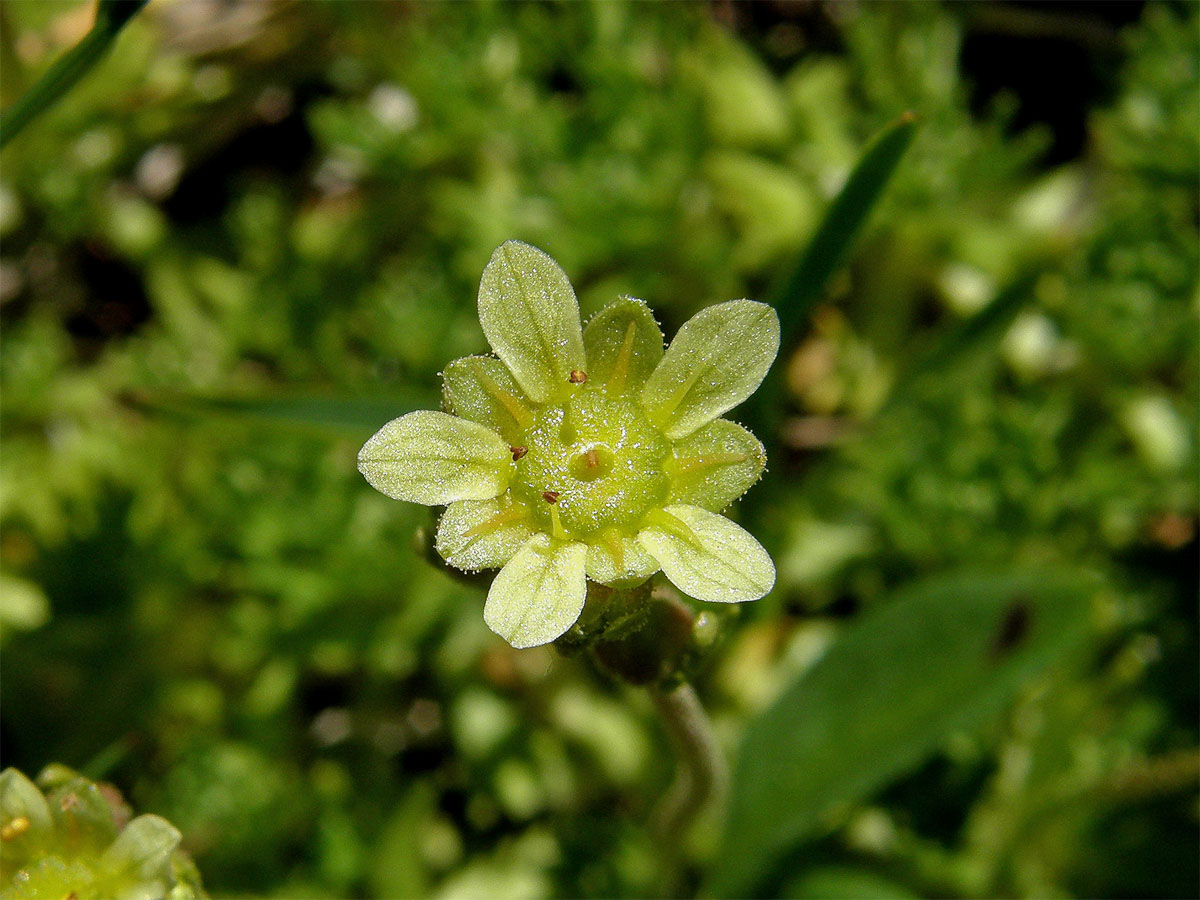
[{"x": 586, "y": 453}]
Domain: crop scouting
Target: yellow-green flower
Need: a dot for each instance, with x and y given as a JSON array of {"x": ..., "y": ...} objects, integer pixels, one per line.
[
  {"x": 60, "y": 838},
  {"x": 586, "y": 453}
]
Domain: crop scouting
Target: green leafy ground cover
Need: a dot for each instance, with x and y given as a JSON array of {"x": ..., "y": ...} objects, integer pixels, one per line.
[{"x": 254, "y": 234}]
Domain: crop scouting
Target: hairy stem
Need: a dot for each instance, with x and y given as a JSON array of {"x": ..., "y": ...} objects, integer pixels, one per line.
[{"x": 703, "y": 776}]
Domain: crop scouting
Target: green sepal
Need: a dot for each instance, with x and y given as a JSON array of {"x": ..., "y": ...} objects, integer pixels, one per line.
[
  {"x": 623, "y": 344},
  {"x": 80, "y": 811},
  {"x": 482, "y": 390},
  {"x": 618, "y": 560},
  {"x": 714, "y": 466}
]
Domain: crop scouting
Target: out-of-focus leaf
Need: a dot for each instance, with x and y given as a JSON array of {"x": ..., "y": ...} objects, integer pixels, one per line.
[
  {"x": 959, "y": 342},
  {"x": 942, "y": 656},
  {"x": 23, "y": 605},
  {"x": 795, "y": 293},
  {"x": 348, "y": 414},
  {"x": 111, "y": 17},
  {"x": 847, "y": 884}
]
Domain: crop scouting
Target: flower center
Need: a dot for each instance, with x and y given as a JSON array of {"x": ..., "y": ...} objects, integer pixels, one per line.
[{"x": 594, "y": 463}]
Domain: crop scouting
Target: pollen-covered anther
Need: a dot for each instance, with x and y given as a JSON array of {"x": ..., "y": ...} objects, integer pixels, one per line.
[
  {"x": 14, "y": 829},
  {"x": 550, "y": 496},
  {"x": 577, "y": 376},
  {"x": 518, "y": 452}
]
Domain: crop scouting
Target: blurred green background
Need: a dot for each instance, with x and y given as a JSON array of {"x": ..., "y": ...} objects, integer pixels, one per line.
[{"x": 254, "y": 233}]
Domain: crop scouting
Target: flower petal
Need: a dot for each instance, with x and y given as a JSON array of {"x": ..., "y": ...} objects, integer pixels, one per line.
[
  {"x": 714, "y": 466},
  {"x": 623, "y": 344},
  {"x": 481, "y": 389},
  {"x": 433, "y": 458},
  {"x": 20, "y": 798},
  {"x": 717, "y": 360},
  {"x": 539, "y": 594},
  {"x": 482, "y": 534},
  {"x": 707, "y": 556},
  {"x": 530, "y": 316},
  {"x": 617, "y": 559}
]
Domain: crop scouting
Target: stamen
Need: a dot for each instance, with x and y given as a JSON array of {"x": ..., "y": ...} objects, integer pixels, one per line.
[
  {"x": 616, "y": 380},
  {"x": 14, "y": 829},
  {"x": 514, "y": 407},
  {"x": 612, "y": 541},
  {"x": 518, "y": 452},
  {"x": 497, "y": 521},
  {"x": 577, "y": 376},
  {"x": 699, "y": 463},
  {"x": 556, "y": 527},
  {"x": 550, "y": 496}
]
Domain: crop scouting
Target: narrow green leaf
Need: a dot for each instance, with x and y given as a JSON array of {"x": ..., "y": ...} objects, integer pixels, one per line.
[
  {"x": 539, "y": 594},
  {"x": 971, "y": 333},
  {"x": 707, "y": 556},
  {"x": 111, "y": 17},
  {"x": 623, "y": 344},
  {"x": 942, "y": 656},
  {"x": 433, "y": 458},
  {"x": 530, "y": 316},
  {"x": 714, "y": 466},
  {"x": 717, "y": 360},
  {"x": 796, "y": 292},
  {"x": 347, "y": 414}
]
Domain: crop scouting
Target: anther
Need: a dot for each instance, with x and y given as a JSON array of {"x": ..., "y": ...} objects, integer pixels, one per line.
[
  {"x": 14, "y": 829},
  {"x": 518, "y": 452},
  {"x": 550, "y": 496},
  {"x": 577, "y": 376}
]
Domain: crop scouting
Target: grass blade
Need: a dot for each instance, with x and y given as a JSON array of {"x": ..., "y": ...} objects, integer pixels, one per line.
[{"x": 111, "y": 17}]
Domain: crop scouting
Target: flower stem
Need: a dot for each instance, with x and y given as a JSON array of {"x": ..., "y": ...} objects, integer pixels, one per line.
[{"x": 703, "y": 776}]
